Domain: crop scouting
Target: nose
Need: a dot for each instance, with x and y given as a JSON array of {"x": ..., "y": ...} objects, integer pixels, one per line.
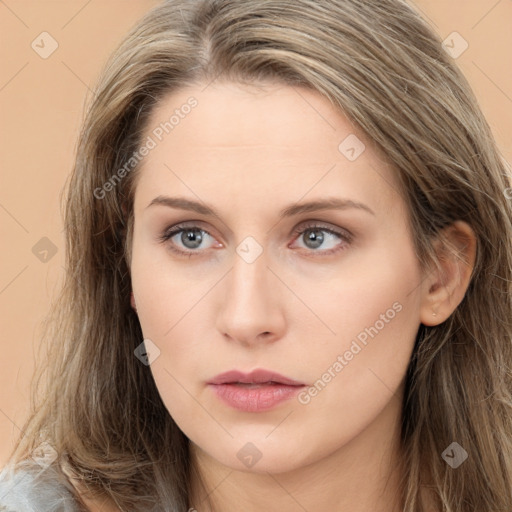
[{"x": 251, "y": 311}]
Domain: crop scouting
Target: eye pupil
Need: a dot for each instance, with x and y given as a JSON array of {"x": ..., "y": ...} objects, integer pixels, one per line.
[
  {"x": 316, "y": 237},
  {"x": 191, "y": 235}
]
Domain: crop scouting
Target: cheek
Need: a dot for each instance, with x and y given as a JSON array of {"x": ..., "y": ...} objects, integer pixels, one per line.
[
  {"x": 166, "y": 293},
  {"x": 353, "y": 295},
  {"x": 170, "y": 314},
  {"x": 172, "y": 307},
  {"x": 373, "y": 309}
]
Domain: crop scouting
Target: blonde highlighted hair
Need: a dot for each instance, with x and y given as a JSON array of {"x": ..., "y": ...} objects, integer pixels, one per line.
[{"x": 385, "y": 69}]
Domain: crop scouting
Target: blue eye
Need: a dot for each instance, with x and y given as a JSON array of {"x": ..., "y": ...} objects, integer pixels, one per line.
[
  {"x": 314, "y": 236},
  {"x": 190, "y": 236}
]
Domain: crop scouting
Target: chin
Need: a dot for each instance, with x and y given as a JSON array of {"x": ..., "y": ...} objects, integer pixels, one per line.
[{"x": 258, "y": 454}]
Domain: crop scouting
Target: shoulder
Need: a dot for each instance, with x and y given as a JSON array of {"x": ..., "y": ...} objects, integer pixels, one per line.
[{"x": 31, "y": 487}]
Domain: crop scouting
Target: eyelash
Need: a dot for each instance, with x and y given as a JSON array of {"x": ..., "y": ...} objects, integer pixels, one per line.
[{"x": 178, "y": 228}]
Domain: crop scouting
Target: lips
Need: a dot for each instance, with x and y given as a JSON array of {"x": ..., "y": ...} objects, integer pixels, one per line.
[
  {"x": 257, "y": 391},
  {"x": 258, "y": 376}
]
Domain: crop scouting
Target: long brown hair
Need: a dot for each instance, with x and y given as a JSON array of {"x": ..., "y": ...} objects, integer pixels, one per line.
[{"x": 383, "y": 66}]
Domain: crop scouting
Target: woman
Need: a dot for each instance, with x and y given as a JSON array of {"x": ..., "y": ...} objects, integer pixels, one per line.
[{"x": 288, "y": 275}]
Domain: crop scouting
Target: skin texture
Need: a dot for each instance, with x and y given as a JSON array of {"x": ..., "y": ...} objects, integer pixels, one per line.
[{"x": 249, "y": 153}]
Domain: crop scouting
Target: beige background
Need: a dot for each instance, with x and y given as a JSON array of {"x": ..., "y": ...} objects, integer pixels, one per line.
[{"x": 41, "y": 109}]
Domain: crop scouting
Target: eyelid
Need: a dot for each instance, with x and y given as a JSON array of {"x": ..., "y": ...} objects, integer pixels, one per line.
[{"x": 321, "y": 225}]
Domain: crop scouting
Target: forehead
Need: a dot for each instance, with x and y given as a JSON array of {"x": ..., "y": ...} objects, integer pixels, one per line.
[
  {"x": 231, "y": 116},
  {"x": 258, "y": 141}
]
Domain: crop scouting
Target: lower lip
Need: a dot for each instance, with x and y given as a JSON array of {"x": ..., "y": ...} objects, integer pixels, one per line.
[{"x": 256, "y": 398}]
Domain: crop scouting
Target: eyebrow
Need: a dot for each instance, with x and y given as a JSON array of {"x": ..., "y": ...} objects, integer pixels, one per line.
[{"x": 329, "y": 203}]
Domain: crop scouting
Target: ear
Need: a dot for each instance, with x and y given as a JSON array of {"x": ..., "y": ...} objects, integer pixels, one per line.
[{"x": 446, "y": 285}]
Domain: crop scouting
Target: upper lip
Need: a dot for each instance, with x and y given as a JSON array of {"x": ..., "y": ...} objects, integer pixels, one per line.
[{"x": 257, "y": 376}]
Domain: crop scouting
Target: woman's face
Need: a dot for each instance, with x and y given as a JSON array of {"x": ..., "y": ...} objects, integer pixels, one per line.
[{"x": 328, "y": 297}]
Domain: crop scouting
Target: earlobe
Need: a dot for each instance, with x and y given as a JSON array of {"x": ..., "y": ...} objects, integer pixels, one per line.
[{"x": 447, "y": 283}]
